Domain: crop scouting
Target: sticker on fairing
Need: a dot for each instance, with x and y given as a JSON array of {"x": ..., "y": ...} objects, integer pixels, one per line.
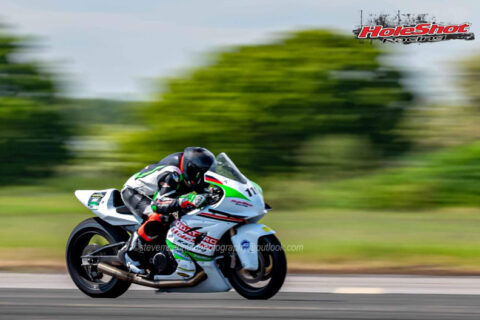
[
  {"x": 95, "y": 199},
  {"x": 266, "y": 229},
  {"x": 241, "y": 203},
  {"x": 196, "y": 241}
]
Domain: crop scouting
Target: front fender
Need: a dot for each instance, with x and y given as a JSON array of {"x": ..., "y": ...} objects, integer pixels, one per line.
[{"x": 245, "y": 242}]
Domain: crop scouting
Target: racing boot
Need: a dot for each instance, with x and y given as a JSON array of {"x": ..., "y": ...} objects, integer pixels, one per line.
[{"x": 131, "y": 253}]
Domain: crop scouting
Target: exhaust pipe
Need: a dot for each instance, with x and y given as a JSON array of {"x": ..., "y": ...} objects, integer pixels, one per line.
[{"x": 160, "y": 284}]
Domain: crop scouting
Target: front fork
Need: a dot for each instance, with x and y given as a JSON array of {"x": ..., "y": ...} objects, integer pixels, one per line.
[{"x": 233, "y": 256}]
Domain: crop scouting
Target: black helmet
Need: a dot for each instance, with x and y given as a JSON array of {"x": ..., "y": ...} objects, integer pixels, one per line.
[{"x": 196, "y": 161}]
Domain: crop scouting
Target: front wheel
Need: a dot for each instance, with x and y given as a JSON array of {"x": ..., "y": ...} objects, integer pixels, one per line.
[{"x": 267, "y": 280}]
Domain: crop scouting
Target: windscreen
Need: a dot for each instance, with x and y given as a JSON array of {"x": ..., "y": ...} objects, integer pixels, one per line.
[{"x": 225, "y": 167}]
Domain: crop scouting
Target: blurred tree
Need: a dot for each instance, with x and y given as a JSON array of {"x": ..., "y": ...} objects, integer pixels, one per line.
[
  {"x": 470, "y": 78},
  {"x": 32, "y": 136},
  {"x": 262, "y": 103}
]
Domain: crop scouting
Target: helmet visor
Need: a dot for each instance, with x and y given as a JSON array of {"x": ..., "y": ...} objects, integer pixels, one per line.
[{"x": 195, "y": 173}]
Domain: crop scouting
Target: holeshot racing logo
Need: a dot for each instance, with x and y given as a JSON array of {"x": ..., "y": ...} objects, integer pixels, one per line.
[{"x": 408, "y": 28}]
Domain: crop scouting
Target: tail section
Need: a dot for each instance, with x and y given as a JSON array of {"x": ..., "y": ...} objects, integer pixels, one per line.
[
  {"x": 107, "y": 205},
  {"x": 84, "y": 196}
]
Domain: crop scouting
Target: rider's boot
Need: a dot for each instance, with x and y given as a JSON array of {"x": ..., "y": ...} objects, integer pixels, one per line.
[
  {"x": 185, "y": 265},
  {"x": 131, "y": 253}
]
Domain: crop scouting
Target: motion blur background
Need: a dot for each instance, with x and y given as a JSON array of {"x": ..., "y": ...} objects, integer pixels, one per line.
[{"x": 369, "y": 153}]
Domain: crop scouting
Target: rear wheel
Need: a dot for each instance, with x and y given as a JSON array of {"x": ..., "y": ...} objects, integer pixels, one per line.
[
  {"x": 267, "y": 280},
  {"x": 88, "y": 236}
]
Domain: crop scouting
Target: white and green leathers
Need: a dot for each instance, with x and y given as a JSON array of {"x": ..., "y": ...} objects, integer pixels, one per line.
[{"x": 146, "y": 183}]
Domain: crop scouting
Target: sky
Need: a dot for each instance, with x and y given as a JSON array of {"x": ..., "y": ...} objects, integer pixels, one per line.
[{"x": 116, "y": 48}]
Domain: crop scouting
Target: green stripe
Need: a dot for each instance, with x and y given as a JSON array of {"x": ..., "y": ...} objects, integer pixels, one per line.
[
  {"x": 195, "y": 256},
  {"x": 144, "y": 174},
  {"x": 170, "y": 244},
  {"x": 174, "y": 247},
  {"x": 230, "y": 192},
  {"x": 176, "y": 256}
]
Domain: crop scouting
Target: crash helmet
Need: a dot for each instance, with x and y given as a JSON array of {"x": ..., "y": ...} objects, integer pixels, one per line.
[{"x": 195, "y": 163}]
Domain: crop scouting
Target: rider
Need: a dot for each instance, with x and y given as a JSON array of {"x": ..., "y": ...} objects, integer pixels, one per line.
[{"x": 173, "y": 185}]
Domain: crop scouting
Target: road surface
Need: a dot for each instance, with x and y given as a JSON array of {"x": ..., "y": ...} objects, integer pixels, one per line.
[{"x": 47, "y": 296}]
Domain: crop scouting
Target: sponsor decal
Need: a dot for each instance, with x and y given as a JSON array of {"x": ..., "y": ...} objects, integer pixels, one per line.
[
  {"x": 221, "y": 217},
  {"x": 241, "y": 203},
  {"x": 95, "y": 199},
  {"x": 266, "y": 229},
  {"x": 210, "y": 240},
  {"x": 185, "y": 236},
  {"x": 245, "y": 244},
  {"x": 410, "y": 28}
]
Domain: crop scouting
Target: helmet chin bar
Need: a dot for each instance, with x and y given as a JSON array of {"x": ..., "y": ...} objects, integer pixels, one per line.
[{"x": 190, "y": 183}]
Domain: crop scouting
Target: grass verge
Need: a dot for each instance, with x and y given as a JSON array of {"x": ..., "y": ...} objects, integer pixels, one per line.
[{"x": 34, "y": 228}]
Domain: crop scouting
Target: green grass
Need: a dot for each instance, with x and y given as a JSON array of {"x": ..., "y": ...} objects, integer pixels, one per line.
[
  {"x": 36, "y": 220},
  {"x": 36, "y": 225},
  {"x": 350, "y": 239}
]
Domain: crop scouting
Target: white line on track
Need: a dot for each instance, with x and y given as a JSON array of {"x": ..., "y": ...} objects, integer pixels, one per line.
[{"x": 359, "y": 290}]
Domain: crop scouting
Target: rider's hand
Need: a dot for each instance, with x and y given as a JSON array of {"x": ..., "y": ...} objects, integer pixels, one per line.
[{"x": 193, "y": 201}]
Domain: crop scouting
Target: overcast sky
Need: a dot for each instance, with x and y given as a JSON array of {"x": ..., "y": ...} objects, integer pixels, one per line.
[{"x": 115, "y": 48}]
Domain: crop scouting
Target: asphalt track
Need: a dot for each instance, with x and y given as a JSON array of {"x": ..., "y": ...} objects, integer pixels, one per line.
[{"x": 341, "y": 297}]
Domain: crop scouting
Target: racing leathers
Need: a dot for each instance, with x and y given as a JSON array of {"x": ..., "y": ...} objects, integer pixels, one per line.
[{"x": 158, "y": 194}]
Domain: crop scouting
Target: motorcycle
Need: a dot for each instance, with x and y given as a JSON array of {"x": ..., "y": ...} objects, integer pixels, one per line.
[{"x": 228, "y": 246}]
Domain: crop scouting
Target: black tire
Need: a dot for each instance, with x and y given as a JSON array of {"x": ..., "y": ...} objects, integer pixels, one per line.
[
  {"x": 76, "y": 245},
  {"x": 269, "y": 246}
]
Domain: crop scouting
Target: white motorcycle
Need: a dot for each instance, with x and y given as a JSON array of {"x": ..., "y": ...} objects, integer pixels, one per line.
[{"x": 228, "y": 246}]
